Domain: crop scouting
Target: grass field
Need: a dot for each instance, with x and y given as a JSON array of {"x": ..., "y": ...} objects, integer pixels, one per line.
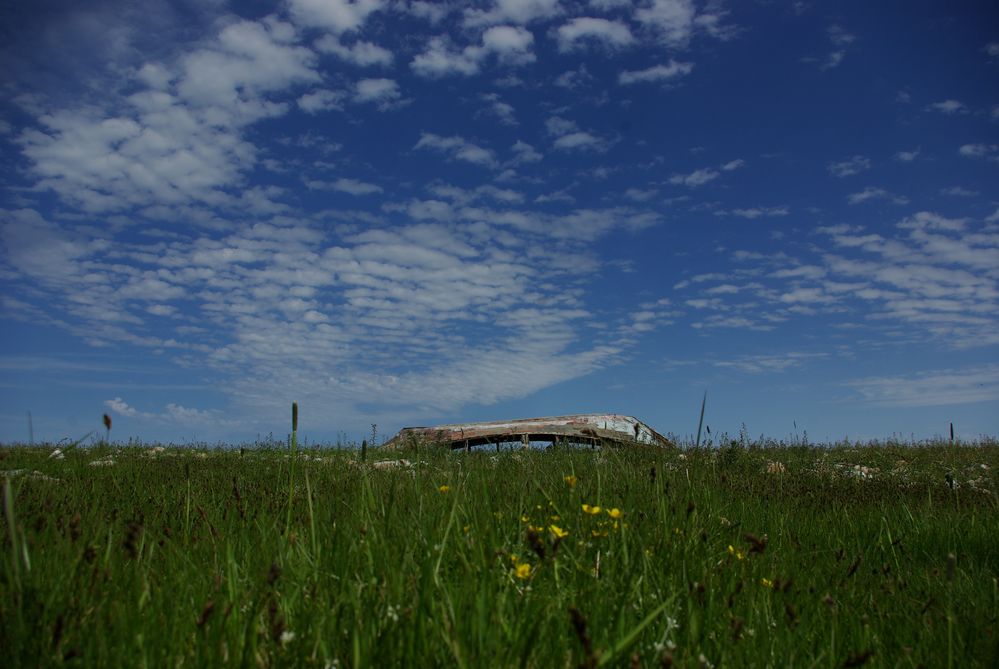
[{"x": 828, "y": 557}]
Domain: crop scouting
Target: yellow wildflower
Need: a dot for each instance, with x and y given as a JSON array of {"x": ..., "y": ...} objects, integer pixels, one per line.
[
  {"x": 571, "y": 480},
  {"x": 597, "y": 534},
  {"x": 525, "y": 519},
  {"x": 615, "y": 513},
  {"x": 592, "y": 510},
  {"x": 514, "y": 558},
  {"x": 522, "y": 571},
  {"x": 766, "y": 583},
  {"x": 733, "y": 551},
  {"x": 558, "y": 532},
  {"x": 444, "y": 489}
]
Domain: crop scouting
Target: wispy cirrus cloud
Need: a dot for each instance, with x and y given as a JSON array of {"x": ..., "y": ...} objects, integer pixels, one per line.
[
  {"x": 944, "y": 387},
  {"x": 935, "y": 274}
]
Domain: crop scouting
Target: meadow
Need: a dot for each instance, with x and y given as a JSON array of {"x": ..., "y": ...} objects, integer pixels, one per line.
[{"x": 882, "y": 555}]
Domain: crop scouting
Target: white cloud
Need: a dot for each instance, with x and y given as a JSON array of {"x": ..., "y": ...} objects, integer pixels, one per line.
[
  {"x": 673, "y": 20},
  {"x": 509, "y": 44},
  {"x": 189, "y": 416},
  {"x": 872, "y": 193},
  {"x": 382, "y": 92},
  {"x": 338, "y": 16},
  {"x": 907, "y": 156},
  {"x": 572, "y": 79},
  {"x": 363, "y": 54},
  {"x": 958, "y": 191},
  {"x": 992, "y": 49},
  {"x": 932, "y": 277},
  {"x": 607, "y": 5},
  {"x": 988, "y": 152},
  {"x": 457, "y": 148},
  {"x": 933, "y": 388},
  {"x": 438, "y": 60},
  {"x": 512, "y": 11},
  {"x": 120, "y": 407},
  {"x": 656, "y": 73},
  {"x": 321, "y": 100},
  {"x": 433, "y": 12},
  {"x": 755, "y": 212},
  {"x": 570, "y": 138},
  {"x": 767, "y": 364},
  {"x": 502, "y": 111},
  {"x": 174, "y": 147},
  {"x": 248, "y": 58},
  {"x": 733, "y": 165},
  {"x": 582, "y": 30},
  {"x": 557, "y": 126},
  {"x": 927, "y": 220},
  {"x": 355, "y": 187},
  {"x": 639, "y": 195},
  {"x": 580, "y": 141},
  {"x": 849, "y": 167},
  {"x": 948, "y": 107},
  {"x": 695, "y": 178},
  {"x": 525, "y": 153},
  {"x": 840, "y": 39}
]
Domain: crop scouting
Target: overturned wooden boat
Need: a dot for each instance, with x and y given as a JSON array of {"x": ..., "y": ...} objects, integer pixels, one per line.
[{"x": 588, "y": 429}]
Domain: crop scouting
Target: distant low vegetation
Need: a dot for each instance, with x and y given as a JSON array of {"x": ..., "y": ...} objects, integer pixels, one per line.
[{"x": 741, "y": 555}]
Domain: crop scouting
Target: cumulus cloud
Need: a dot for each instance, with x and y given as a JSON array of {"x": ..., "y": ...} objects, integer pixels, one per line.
[
  {"x": 338, "y": 16},
  {"x": 581, "y": 31},
  {"x": 382, "y": 92},
  {"x": 518, "y": 12},
  {"x": 457, "y": 148},
  {"x": 569, "y": 137},
  {"x": 355, "y": 187},
  {"x": 657, "y": 73},
  {"x": 321, "y": 100},
  {"x": 673, "y": 20},
  {"x": 511, "y": 45},
  {"x": 849, "y": 167},
  {"x": 981, "y": 151},
  {"x": 695, "y": 178},
  {"x": 120, "y": 407},
  {"x": 502, "y": 111},
  {"x": 948, "y": 107},
  {"x": 525, "y": 153},
  {"x": 178, "y": 146},
  {"x": 363, "y": 54},
  {"x": 576, "y": 141}
]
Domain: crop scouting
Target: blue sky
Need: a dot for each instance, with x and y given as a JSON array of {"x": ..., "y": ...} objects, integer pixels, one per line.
[{"x": 412, "y": 213}]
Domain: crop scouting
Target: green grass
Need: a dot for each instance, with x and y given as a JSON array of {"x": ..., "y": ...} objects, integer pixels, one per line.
[{"x": 187, "y": 559}]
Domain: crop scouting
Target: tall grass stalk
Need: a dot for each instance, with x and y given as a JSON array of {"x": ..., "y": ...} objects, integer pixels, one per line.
[
  {"x": 700, "y": 421},
  {"x": 293, "y": 456}
]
